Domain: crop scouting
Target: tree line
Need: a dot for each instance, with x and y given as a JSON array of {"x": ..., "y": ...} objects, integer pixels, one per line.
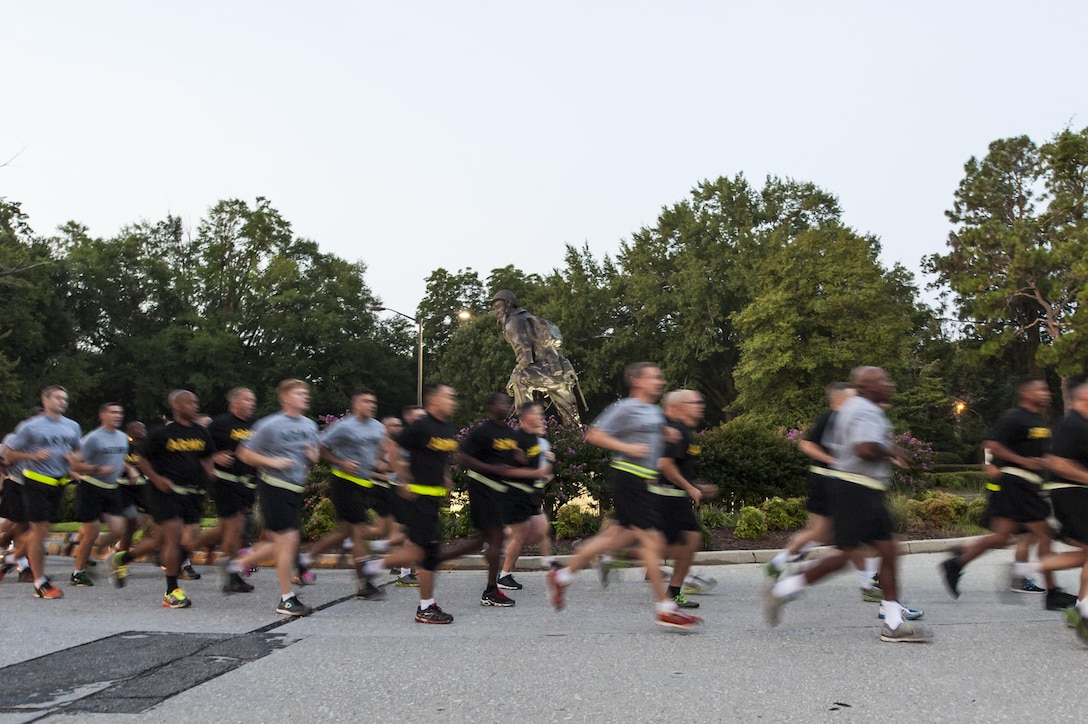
[{"x": 755, "y": 295}]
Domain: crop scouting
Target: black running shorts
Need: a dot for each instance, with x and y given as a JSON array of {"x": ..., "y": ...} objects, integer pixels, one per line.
[
  {"x": 41, "y": 502},
  {"x": 634, "y": 504},
  {"x": 351, "y": 500},
  {"x": 819, "y": 495},
  {"x": 11, "y": 502},
  {"x": 487, "y": 507},
  {"x": 281, "y": 509},
  {"x": 860, "y": 515},
  {"x": 1071, "y": 510},
  {"x": 677, "y": 516},
  {"x": 92, "y": 502}
]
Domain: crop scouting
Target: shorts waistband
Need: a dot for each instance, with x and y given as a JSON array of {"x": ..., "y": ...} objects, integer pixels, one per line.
[
  {"x": 1023, "y": 475},
  {"x": 667, "y": 490},
  {"x": 281, "y": 483},
  {"x": 636, "y": 470},
  {"x": 362, "y": 482},
  {"x": 435, "y": 491},
  {"x": 493, "y": 484},
  {"x": 45, "y": 479},
  {"x": 859, "y": 479},
  {"x": 100, "y": 483}
]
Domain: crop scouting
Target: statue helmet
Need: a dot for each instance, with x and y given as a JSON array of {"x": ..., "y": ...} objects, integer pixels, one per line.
[{"x": 505, "y": 295}]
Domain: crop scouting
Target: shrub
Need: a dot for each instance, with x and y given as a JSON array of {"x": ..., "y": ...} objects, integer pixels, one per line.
[
  {"x": 713, "y": 516},
  {"x": 972, "y": 480},
  {"x": 750, "y": 463},
  {"x": 751, "y": 523},
  {"x": 976, "y": 509},
  {"x": 784, "y": 514},
  {"x": 321, "y": 521},
  {"x": 947, "y": 458},
  {"x": 940, "y": 510},
  {"x": 919, "y": 463},
  {"x": 572, "y": 521}
]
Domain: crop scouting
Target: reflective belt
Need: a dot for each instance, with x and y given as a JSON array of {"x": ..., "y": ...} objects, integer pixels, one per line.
[
  {"x": 1061, "y": 485},
  {"x": 992, "y": 486},
  {"x": 520, "y": 486},
  {"x": 140, "y": 480},
  {"x": 497, "y": 487},
  {"x": 358, "y": 481},
  {"x": 100, "y": 483},
  {"x": 826, "y": 472},
  {"x": 281, "y": 483},
  {"x": 432, "y": 490},
  {"x": 55, "y": 482},
  {"x": 539, "y": 485},
  {"x": 636, "y": 470},
  {"x": 667, "y": 490},
  {"x": 232, "y": 478},
  {"x": 1023, "y": 475},
  {"x": 859, "y": 479}
]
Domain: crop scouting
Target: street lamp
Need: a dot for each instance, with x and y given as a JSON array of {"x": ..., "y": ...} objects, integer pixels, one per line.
[{"x": 419, "y": 325}]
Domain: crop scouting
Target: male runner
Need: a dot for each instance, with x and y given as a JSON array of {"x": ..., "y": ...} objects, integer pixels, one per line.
[
  {"x": 13, "y": 513},
  {"x": 1018, "y": 444},
  {"x": 527, "y": 522},
  {"x": 633, "y": 430},
  {"x": 862, "y": 441},
  {"x": 283, "y": 448},
  {"x": 48, "y": 445},
  {"x": 97, "y": 495}
]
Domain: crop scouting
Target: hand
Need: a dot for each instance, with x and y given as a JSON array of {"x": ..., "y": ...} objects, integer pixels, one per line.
[
  {"x": 349, "y": 466},
  {"x": 223, "y": 458},
  {"x": 637, "y": 451},
  {"x": 165, "y": 485},
  {"x": 404, "y": 492},
  {"x": 39, "y": 455},
  {"x": 312, "y": 453},
  {"x": 1034, "y": 463},
  {"x": 707, "y": 491},
  {"x": 672, "y": 435},
  {"x": 104, "y": 470},
  {"x": 278, "y": 463}
]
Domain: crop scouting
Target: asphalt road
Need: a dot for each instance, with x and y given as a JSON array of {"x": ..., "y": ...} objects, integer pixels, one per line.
[{"x": 117, "y": 655}]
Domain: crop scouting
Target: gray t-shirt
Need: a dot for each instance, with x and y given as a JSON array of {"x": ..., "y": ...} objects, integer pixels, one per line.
[
  {"x": 860, "y": 420},
  {"x": 358, "y": 440},
  {"x": 59, "y": 436},
  {"x": 638, "y": 423},
  {"x": 107, "y": 448},
  {"x": 283, "y": 436}
]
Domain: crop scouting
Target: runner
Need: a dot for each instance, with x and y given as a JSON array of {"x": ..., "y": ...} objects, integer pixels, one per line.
[
  {"x": 527, "y": 522},
  {"x": 633, "y": 430},
  {"x": 1018, "y": 444},
  {"x": 861, "y": 439},
  {"x": 133, "y": 485},
  {"x": 283, "y": 448}
]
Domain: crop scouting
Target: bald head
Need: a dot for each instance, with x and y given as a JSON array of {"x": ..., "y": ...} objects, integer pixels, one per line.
[
  {"x": 687, "y": 406},
  {"x": 872, "y": 383}
]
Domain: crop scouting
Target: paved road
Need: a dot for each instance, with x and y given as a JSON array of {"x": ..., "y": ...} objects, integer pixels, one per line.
[{"x": 231, "y": 658}]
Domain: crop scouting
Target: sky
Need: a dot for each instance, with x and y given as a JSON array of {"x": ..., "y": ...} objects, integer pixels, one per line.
[{"x": 417, "y": 135}]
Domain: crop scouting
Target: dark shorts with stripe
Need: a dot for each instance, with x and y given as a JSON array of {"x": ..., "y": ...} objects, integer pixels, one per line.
[
  {"x": 677, "y": 516},
  {"x": 634, "y": 504},
  {"x": 133, "y": 499},
  {"x": 520, "y": 506},
  {"x": 1018, "y": 500},
  {"x": 41, "y": 502},
  {"x": 186, "y": 507},
  {"x": 819, "y": 494},
  {"x": 1071, "y": 510},
  {"x": 420, "y": 518},
  {"x": 232, "y": 497},
  {"x": 281, "y": 509},
  {"x": 92, "y": 502},
  {"x": 487, "y": 507},
  {"x": 351, "y": 500},
  {"x": 11, "y": 502},
  {"x": 859, "y": 513},
  {"x": 382, "y": 499}
]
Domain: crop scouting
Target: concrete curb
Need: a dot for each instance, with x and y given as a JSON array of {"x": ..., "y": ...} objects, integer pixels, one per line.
[{"x": 54, "y": 545}]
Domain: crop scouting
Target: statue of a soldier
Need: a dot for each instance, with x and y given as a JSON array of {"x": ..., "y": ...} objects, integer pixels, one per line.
[{"x": 540, "y": 367}]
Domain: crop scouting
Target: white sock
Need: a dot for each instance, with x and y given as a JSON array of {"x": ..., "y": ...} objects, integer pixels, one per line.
[
  {"x": 76, "y": 573},
  {"x": 233, "y": 566},
  {"x": 39, "y": 582},
  {"x": 23, "y": 562},
  {"x": 546, "y": 562},
  {"x": 779, "y": 560},
  {"x": 504, "y": 574},
  {"x": 872, "y": 566},
  {"x": 1026, "y": 570},
  {"x": 425, "y": 603},
  {"x": 1082, "y": 606},
  {"x": 373, "y": 567},
  {"x": 865, "y": 579},
  {"x": 893, "y": 613},
  {"x": 564, "y": 576},
  {"x": 305, "y": 560},
  {"x": 379, "y": 546},
  {"x": 789, "y": 586},
  {"x": 665, "y": 606},
  {"x": 809, "y": 546},
  {"x": 285, "y": 596},
  {"x": 348, "y": 544}
]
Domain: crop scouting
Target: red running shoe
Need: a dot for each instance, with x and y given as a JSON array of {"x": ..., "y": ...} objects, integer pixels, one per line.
[
  {"x": 677, "y": 619},
  {"x": 556, "y": 590}
]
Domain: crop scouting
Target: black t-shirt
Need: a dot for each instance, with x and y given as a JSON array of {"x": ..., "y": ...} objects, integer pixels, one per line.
[
  {"x": 685, "y": 452},
  {"x": 429, "y": 443},
  {"x": 227, "y": 431},
  {"x": 492, "y": 443},
  {"x": 821, "y": 430},
  {"x": 1071, "y": 440},
  {"x": 1023, "y": 432},
  {"x": 175, "y": 451}
]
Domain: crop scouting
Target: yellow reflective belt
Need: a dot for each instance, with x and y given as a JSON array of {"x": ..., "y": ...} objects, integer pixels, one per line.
[
  {"x": 636, "y": 470},
  {"x": 432, "y": 490},
  {"x": 496, "y": 486},
  {"x": 520, "y": 486},
  {"x": 100, "y": 483},
  {"x": 281, "y": 483},
  {"x": 55, "y": 482},
  {"x": 358, "y": 481},
  {"x": 1023, "y": 475},
  {"x": 1060, "y": 485},
  {"x": 859, "y": 479},
  {"x": 667, "y": 490},
  {"x": 232, "y": 478},
  {"x": 993, "y": 487}
]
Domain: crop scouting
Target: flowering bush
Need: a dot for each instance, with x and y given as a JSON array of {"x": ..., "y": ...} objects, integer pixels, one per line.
[{"x": 914, "y": 477}]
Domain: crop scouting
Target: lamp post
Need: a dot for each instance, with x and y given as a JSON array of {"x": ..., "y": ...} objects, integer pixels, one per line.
[{"x": 419, "y": 369}]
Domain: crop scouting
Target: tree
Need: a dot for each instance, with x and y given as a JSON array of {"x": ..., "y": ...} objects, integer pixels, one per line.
[
  {"x": 1016, "y": 274},
  {"x": 821, "y": 304}
]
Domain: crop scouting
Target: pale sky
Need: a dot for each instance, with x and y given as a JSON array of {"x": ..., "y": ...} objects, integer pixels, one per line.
[{"x": 418, "y": 135}]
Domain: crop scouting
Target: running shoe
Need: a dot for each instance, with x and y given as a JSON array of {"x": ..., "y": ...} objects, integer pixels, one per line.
[
  {"x": 369, "y": 592},
  {"x": 771, "y": 571},
  {"x": 48, "y": 590},
  {"x": 1059, "y": 600},
  {"x": 408, "y": 581},
  {"x": 772, "y": 604},
  {"x": 681, "y": 600},
  {"x": 1082, "y": 629},
  {"x": 26, "y": 575},
  {"x": 293, "y": 607},
  {"x": 118, "y": 569},
  {"x": 1072, "y": 616},
  {"x": 304, "y": 578},
  {"x": 1025, "y": 585},
  {"x": 951, "y": 571},
  {"x": 68, "y": 547},
  {"x": 907, "y": 633},
  {"x": 872, "y": 594},
  {"x": 236, "y": 584},
  {"x": 176, "y": 599},
  {"x": 699, "y": 585},
  {"x": 677, "y": 619},
  {"x": 496, "y": 598},
  {"x": 508, "y": 583},
  {"x": 188, "y": 573},
  {"x": 556, "y": 590},
  {"x": 909, "y": 614},
  {"x": 605, "y": 566},
  {"x": 433, "y": 614},
  {"x": 6, "y": 568},
  {"x": 81, "y": 579}
]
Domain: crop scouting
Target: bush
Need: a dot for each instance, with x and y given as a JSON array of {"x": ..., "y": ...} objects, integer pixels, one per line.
[
  {"x": 751, "y": 523},
  {"x": 976, "y": 509},
  {"x": 713, "y": 516},
  {"x": 751, "y": 463},
  {"x": 955, "y": 468},
  {"x": 784, "y": 514},
  {"x": 321, "y": 521},
  {"x": 940, "y": 510},
  {"x": 972, "y": 480},
  {"x": 572, "y": 521},
  {"x": 946, "y": 458}
]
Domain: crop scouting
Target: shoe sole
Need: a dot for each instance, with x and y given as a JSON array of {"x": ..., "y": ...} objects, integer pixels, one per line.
[
  {"x": 909, "y": 640},
  {"x": 678, "y": 626},
  {"x": 296, "y": 614},
  {"x": 172, "y": 605},
  {"x": 911, "y": 617},
  {"x": 439, "y": 623},
  {"x": 510, "y": 588},
  {"x": 495, "y": 604}
]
